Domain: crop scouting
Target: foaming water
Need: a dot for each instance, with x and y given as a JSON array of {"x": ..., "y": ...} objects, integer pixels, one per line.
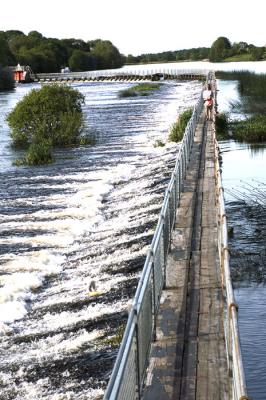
[{"x": 89, "y": 216}]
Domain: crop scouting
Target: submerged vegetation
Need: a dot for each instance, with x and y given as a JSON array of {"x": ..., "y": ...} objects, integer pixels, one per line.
[
  {"x": 142, "y": 89},
  {"x": 178, "y": 128},
  {"x": 47, "y": 118}
]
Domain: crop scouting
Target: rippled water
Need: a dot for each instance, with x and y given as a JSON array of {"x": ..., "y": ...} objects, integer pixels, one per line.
[
  {"x": 89, "y": 216},
  {"x": 243, "y": 177}
]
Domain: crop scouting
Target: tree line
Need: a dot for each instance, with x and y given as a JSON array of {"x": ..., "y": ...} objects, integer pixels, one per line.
[
  {"x": 50, "y": 55},
  {"x": 221, "y": 50}
]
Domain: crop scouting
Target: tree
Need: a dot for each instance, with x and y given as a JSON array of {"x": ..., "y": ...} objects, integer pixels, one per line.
[
  {"x": 51, "y": 116},
  {"x": 106, "y": 54},
  {"x": 6, "y": 79},
  {"x": 220, "y": 49},
  {"x": 81, "y": 61},
  {"x": 6, "y": 57}
]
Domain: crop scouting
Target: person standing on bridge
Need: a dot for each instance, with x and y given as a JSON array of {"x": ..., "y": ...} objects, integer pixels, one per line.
[{"x": 208, "y": 101}]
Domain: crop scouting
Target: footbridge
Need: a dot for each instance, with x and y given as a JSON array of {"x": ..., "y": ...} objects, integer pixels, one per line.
[
  {"x": 181, "y": 340},
  {"x": 122, "y": 75}
]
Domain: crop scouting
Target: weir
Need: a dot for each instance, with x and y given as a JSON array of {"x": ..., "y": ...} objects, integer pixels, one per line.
[
  {"x": 155, "y": 74},
  {"x": 181, "y": 340}
]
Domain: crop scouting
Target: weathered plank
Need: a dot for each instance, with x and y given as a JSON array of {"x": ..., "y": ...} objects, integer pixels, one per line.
[{"x": 188, "y": 360}]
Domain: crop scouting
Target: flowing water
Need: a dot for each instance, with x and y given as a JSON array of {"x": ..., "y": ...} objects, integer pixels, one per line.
[
  {"x": 88, "y": 217},
  {"x": 244, "y": 180}
]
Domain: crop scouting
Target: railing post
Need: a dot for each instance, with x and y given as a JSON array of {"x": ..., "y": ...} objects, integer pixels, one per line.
[{"x": 137, "y": 353}]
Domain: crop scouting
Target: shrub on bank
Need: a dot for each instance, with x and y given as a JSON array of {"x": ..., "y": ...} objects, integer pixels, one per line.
[
  {"x": 45, "y": 118},
  {"x": 222, "y": 126},
  {"x": 178, "y": 128}
]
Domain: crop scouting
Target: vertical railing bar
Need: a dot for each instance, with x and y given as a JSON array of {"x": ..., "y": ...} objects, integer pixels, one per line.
[{"x": 156, "y": 258}]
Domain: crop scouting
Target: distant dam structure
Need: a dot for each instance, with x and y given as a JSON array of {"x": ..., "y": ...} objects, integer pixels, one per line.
[{"x": 122, "y": 76}]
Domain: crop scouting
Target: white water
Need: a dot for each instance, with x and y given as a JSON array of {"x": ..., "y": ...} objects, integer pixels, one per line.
[{"x": 90, "y": 216}]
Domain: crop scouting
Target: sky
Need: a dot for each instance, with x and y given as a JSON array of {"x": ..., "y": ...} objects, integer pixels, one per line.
[{"x": 140, "y": 26}]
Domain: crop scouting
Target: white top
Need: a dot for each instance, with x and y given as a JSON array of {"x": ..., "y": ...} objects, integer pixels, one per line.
[{"x": 207, "y": 94}]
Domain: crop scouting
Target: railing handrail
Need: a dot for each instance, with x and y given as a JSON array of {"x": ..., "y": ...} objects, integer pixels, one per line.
[
  {"x": 120, "y": 72},
  {"x": 172, "y": 191},
  {"x": 234, "y": 356}
]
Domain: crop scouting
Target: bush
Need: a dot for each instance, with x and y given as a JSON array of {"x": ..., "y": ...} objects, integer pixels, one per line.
[
  {"x": 6, "y": 79},
  {"x": 39, "y": 153},
  {"x": 222, "y": 126},
  {"x": 178, "y": 128},
  {"x": 51, "y": 116}
]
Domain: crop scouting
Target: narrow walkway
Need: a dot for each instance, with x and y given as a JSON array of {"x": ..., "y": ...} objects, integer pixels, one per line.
[{"x": 188, "y": 359}]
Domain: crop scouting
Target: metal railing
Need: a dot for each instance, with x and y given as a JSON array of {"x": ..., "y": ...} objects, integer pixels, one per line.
[
  {"x": 233, "y": 349},
  {"x": 127, "y": 379},
  {"x": 121, "y": 73}
]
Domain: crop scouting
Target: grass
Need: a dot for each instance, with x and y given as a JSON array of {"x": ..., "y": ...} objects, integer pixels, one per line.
[
  {"x": 142, "y": 89},
  {"x": 222, "y": 126},
  {"x": 250, "y": 83},
  {"x": 178, "y": 128},
  {"x": 250, "y": 130},
  {"x": 239, "y": 57},
  {"x": 252, "y": 90}
]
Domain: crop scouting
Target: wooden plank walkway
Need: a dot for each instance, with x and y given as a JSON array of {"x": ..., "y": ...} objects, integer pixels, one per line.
[{"x": 188, "y": 359}]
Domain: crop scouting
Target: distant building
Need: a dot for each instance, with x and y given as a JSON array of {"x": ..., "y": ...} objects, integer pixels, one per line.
[
  {"x": 23, "y": 73},
  {"x": 65, "y": 70}
]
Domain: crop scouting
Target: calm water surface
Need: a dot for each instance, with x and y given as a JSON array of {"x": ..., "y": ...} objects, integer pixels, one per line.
[{"x": 244, "y": 173}]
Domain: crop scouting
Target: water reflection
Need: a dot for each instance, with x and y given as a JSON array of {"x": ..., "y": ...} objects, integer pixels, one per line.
[
  {"x": 257, "y": 149},
  {"x": 244, "y": 181}
]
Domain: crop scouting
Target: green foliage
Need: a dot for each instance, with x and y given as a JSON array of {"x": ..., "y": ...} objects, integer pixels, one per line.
[
  {"x": 239, "y": 57},
  {"x": 50, "y": 55},
  {"x": 251, "y": 130},
  {"x": 51, "y": 116},
  {"x": 106, "y": 54},
  {"x": 39, "y": 153},
  {"x": 142, "y": 89},
  {"x": 178, "y": 128},
  {"x": 116, "y": 339},
  {"x": 6, "y": 79},
  {"x": 252, "y": 89},
  {"x": 81, "y": 61},
  {"x": 158, "y": 143},
  {"x": 193, "y": 54},
  {"x": 6, "y": 56},
  {"x": 222, "y": 126},
  {"x": 220, "y": 49}
]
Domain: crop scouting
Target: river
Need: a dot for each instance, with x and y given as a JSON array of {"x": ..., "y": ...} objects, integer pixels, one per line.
[
  {"x": 243, "y": 174},
  {"x": 89, "y": 216}
]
